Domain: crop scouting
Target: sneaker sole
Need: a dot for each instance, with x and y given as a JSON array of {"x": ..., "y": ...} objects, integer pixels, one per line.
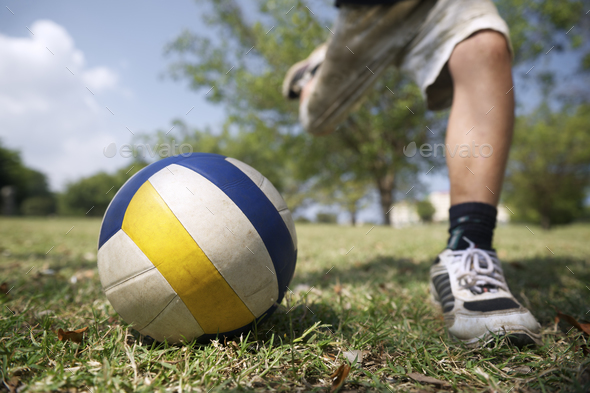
[{"x": 519, "y": 336}]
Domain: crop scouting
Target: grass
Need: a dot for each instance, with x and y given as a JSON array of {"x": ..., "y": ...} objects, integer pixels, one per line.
[{"x": 372, "y": 298}]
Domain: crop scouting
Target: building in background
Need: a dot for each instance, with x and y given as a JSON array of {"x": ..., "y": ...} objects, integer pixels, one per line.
[{"x": 404, "y": 213}]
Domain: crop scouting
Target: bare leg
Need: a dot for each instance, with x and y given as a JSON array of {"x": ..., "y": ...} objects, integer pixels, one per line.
[{"x": 481, "y": 71}]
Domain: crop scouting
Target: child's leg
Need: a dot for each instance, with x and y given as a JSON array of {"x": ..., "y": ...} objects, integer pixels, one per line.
[
  {"x": 482, "y": 114},
  {"x": 482, "y": 117}
]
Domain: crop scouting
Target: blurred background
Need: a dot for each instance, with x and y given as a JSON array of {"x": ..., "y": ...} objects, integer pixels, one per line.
[{"x": 91, "y": 92}]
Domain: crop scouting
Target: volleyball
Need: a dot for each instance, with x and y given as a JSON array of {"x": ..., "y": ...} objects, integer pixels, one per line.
[{"x": 196, "y": 246}]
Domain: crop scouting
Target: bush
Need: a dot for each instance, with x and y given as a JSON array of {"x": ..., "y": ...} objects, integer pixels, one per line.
[
  {"x": 302, "y": 220},
  {"x": 549, "y": 172},
  {"x": 91, "y": 195},
  {"x": 425, "y": 210},
  {"x": 38, "y": 206},
  {"x": 326, "y": 218}
]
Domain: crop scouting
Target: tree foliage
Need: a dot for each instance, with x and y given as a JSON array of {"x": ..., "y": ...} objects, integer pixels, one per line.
[
  {"x": 549, "y": 169},
  {"x": 425, "y": 210},
  {"x": 30, "y": 185},
  {"x": 241, "y": 61},
  {"x": 91, "y": 195},
  {"x": 540, "y": 26},
  {"x": 246, "y": 63}
]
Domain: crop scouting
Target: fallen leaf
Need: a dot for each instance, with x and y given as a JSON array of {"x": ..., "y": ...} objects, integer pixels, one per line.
[
  {"x": 75, "y": 335},
  {"x": 329, "y": 357},
  {"x": 518, "y": 370},
  {"x": 517, "y": 265},
  {"x": 429, "y": 380},
  {"x": 583, "y": 327},
  {"x": 12, "y": 384},
  {"x": 354, "y": 355},
  {"x": 339, "y": 377},
  {"x": 258, "y": 382},
  {"x": 302, "y": 288},
  {"x": 47, "y": 272},
  {"x": 43, "y": 313}
]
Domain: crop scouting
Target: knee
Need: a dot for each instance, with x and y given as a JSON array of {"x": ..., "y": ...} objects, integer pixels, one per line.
[{"x": 484, "y": 49}]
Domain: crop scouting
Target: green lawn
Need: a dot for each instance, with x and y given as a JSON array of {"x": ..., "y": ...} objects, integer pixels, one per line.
[{"x": 373, "y": 298}]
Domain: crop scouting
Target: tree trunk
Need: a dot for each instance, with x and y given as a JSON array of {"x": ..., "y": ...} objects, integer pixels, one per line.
[
  {"x": 385, "y": 186},
  {"x": 545, "y": 222},
  {"x": 352, "y": 213}
]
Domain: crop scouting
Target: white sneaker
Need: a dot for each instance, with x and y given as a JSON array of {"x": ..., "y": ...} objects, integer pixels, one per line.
[{"x": 469, "y": 286}]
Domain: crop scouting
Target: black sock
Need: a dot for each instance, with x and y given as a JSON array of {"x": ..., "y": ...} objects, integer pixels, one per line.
[{"x": 475, "y": 221}]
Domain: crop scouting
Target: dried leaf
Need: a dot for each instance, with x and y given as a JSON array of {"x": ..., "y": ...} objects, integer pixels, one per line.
[
  {"x": 584, "y": 347},
  {"x": 329, "y": 357},
  {"x": 12, "y": 384},
  {"x": 583, "y": 327},
  {"x": 258, "y": 382},
  {"x": 76, "y": 335},
  {"x": 429, "y": 380},
  {"x": 355, "y": 355},
  {"x": 4, "y": 288},
  {"x": 339, "y": 377},
  {"x": 518, "y": 369},
  {"x": 517, "y": 265}
]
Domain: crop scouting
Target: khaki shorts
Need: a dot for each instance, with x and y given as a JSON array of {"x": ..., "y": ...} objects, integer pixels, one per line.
[{"x": 417, "y": 36}]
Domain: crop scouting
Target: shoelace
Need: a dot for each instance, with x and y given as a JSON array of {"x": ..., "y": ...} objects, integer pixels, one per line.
[{"x": 475, "y": 275}]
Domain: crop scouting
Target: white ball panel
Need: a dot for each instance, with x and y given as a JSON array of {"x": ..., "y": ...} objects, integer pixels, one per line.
[
  {"x": 175, "y": 323},
  {"x": 273, "y": 195},
  {"x": 252, "y": 173},
  {"x": 140, "y": 299},
  {"x": 223, "y": 232},
  {"x": 120, "y": 259}
]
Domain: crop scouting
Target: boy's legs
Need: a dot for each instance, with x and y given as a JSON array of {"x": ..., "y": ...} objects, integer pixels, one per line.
[{"x": 466, "y": 280}]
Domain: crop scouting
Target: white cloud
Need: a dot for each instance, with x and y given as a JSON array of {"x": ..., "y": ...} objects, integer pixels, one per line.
[
  {"x": 48, "y": 113},
  {"x": 99, "y": 79}
]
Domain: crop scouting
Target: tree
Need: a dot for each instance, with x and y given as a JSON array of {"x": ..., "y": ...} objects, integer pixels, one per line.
[
  {"x": 549, "y": 169},
  {"x": 91, "y": 195},
  {"x": 547, "y": 177},
  {"x": 425, "y": 210},
  {"x": 31, "y": 186},
  {"x": 538, "y": 27},
  {"x": 245, "y": 65}
]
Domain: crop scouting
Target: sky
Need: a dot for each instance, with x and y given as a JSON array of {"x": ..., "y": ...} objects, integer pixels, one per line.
[{"x": 77, "y": 77}]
